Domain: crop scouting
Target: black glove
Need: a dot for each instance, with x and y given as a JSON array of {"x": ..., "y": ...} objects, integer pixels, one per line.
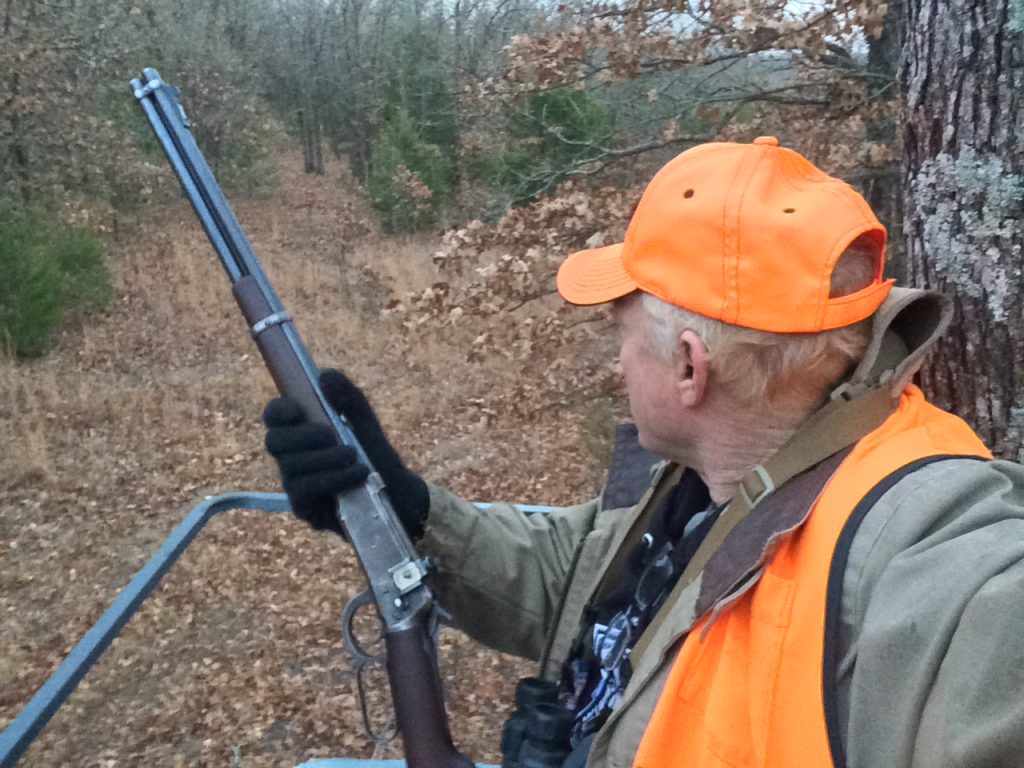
[{"x": 315, "y": 467}]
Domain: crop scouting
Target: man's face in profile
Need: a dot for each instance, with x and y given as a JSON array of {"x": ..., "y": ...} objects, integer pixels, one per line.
[{"x": 648, "y": 377}]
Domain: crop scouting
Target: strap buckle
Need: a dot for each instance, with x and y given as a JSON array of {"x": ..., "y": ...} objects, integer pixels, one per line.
[
  {"x": 851, "y": 390},
  {"x": 767, "y": 486}
]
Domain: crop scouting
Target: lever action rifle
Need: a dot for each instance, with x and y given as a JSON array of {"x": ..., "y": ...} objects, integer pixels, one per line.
[{"x": 393, "y": 569}]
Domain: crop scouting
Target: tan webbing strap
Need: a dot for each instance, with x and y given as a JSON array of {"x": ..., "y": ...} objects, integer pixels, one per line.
[{"x": 837, "y": 425}]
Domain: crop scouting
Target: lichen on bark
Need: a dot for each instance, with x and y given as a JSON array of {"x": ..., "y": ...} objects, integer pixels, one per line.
[
  {"x": 970, "y": 207},
  {"x": 1015, "y": 16}
]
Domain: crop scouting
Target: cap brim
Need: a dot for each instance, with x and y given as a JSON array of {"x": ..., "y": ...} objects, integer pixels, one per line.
[{"x": 595, "y": 276}]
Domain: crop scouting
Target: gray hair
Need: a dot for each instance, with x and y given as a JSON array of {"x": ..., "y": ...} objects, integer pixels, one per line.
[{"x": 785, "y": 374}]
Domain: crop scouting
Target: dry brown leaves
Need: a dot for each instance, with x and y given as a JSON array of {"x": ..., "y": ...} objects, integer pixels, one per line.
[
  {"x": 494, "y": 298},
  {"x": 608, "y": 42},
  {"x": 236, "y": 658}
]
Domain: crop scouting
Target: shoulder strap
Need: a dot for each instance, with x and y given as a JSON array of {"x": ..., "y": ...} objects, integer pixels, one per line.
[
  {"x": 903, "y": 330},
  {"x": 839, "y": 424},
  {"x": 835, "y": 427}
]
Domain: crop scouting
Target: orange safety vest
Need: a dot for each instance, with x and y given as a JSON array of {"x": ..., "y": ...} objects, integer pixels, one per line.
[{"x": 747, "y": 687}]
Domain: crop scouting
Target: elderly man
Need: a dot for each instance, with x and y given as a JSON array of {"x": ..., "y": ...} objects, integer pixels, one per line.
[{"x": 826, "y": 570}]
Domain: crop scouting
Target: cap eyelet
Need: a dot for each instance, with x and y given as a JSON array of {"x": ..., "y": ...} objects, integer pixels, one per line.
[{"x": 688, "y": 194}]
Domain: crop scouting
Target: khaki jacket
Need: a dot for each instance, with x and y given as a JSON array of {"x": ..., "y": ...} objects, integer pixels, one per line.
[{"x": 931, "y": 668}]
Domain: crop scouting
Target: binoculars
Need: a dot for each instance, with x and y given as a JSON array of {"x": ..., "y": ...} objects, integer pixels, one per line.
[{"x": 537, "y": 735}]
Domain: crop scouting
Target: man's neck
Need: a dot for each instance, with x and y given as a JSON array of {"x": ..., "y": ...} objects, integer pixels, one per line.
[{"x": 731, "y": 447}]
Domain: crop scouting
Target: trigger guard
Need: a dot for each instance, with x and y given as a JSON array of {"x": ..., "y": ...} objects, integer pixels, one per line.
[{"x": 347, "y": 617}]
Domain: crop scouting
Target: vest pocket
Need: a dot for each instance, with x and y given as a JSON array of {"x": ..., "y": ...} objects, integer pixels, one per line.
[{"x": 728, "y": 684}]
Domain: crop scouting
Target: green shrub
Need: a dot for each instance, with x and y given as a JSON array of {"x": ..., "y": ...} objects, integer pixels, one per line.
[
  {"x": 50, "y": 270},
  {"x": 418, "y": 81},
  {"x": 549, "y": 133},
  {"x": 408, "y": 180}
]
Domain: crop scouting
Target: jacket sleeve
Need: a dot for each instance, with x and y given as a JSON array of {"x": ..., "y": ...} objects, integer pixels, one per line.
[
  {"x": 932, "y": 636},
  {"x": 501, "y": 573}
]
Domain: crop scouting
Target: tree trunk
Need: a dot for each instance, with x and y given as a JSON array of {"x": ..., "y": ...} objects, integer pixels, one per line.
[
  {"x": 963, "y": 77},
  {"x": 19, "y": 140},
  {"x": 19, "y": 154},
  {"x": 307, "y": 144},
  {"x": 318, "y": 141},
  {"x": 309, "y": 116}
]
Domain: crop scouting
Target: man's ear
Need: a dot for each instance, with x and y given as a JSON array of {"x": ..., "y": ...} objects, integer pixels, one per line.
[{"x": 691, "y": 368}]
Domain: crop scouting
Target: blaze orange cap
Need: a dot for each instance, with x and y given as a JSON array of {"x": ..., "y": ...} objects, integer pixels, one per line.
[{"x": 743, "y": 233}]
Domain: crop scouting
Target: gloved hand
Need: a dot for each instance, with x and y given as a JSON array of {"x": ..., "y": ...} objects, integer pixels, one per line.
[{"x": 315, "y": 467}]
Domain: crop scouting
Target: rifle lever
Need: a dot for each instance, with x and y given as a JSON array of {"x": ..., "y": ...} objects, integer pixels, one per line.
[{"x": 348, "y": 618}]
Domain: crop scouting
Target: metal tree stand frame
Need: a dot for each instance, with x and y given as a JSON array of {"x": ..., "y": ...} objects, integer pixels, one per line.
[{"x": 27, "y": 725}]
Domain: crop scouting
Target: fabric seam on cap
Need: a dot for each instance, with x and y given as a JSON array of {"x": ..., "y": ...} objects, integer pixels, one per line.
[
  {"x": 847, "y": 236},
  {"x": 725, "y": 247},
  {"x": 853, "y": 298},
  {"x": 734, "y": 267},
  {"x": 629, "y": 240},
  {"x": 799, "y": 185},
  {"x": 825, "y": 300},
  {"x": 607, "y": 277}
]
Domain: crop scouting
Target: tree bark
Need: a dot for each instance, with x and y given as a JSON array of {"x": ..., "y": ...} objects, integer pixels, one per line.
[
  {"x": 317, "y": 141},
  {"x": 962, "y": 75},
  {"x": 306, "y": 134}
]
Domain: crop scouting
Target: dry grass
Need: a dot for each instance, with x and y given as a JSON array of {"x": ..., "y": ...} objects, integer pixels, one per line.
[{"x": 111, "y": 439}]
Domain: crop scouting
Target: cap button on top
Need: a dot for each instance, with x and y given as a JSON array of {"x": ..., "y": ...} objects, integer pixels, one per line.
[{"x": 768, "y": 141}]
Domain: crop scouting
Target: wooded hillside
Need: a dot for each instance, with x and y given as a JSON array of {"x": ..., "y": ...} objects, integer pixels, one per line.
[{"x": 413, "y": 173}]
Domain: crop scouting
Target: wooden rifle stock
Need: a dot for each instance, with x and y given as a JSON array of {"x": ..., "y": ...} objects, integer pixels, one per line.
[{"x": 418, "y": 699}]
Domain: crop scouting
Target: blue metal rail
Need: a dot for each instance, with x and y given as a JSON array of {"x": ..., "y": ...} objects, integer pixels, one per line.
[{"x": 24, "y": 729}]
